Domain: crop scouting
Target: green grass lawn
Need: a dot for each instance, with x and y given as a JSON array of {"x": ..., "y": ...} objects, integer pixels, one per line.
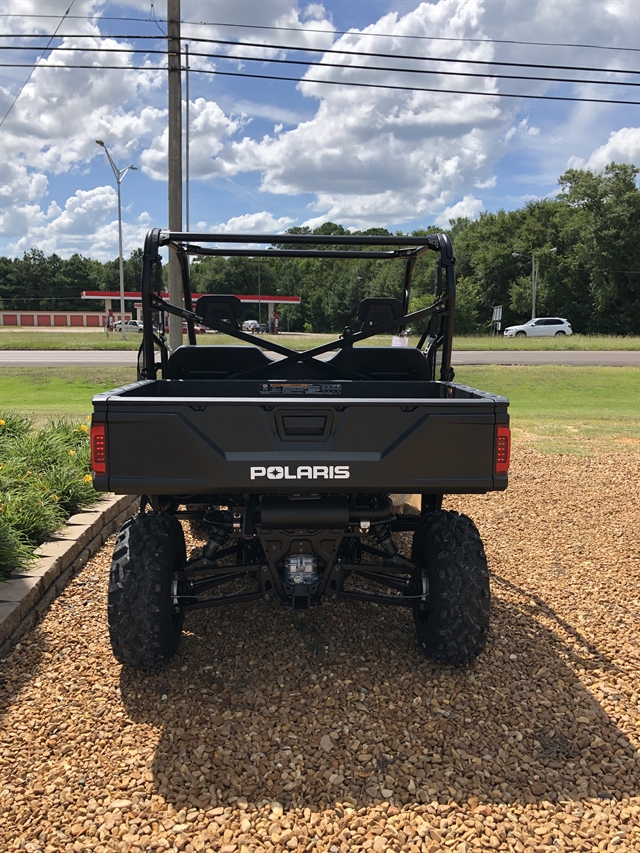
[
  {"x": 571, "y": 342},
  {"x": 565, "y": 409},
  {"x": 557, "y": 409},
  {"x": 45, "y": 392},
  {"x": 11, "y": 338}
]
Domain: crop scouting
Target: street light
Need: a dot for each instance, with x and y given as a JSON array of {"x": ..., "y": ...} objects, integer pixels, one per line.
[
  {"x": 535, "y": 265},
  {"x": 119, "y": 173}
]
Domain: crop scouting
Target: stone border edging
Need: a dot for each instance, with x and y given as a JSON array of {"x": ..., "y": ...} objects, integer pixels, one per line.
[{"x": 25, "y": 596}]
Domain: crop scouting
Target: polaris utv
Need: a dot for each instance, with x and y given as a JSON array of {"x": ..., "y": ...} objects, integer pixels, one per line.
[{"x": 302, "y": 466}]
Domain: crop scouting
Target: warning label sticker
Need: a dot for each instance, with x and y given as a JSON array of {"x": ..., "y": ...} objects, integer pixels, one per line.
[{"x": 297, "y": 389}]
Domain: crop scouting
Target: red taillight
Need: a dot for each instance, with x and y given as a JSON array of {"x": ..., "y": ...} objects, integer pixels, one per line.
[
  {"x": 99, "y": 448},
  {"x": 503, "y": 449}
]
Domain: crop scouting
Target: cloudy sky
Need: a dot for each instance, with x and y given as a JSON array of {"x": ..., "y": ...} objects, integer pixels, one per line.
[{"x": 268, "y": 154}]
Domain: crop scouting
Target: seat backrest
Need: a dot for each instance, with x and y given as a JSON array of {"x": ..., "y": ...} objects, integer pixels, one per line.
[
  {"x": 213, "y": 362},
  {"x": 383, "y": 363},
  {"x": 221, "y": 307},
  {"x": 378, "y": 309}
]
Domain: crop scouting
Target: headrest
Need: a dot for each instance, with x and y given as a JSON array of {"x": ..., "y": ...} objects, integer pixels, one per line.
[
  {"x": 376, "y": 310},
  {"x": 221, "y": 307}
]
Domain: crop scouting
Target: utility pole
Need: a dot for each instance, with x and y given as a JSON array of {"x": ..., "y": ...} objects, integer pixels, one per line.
[
  {"x": 175, "y": 163},
  {"x": 186, "y": 141},
  {"x": 535, "y": 268},
  {"x": 534, "y": 285}
]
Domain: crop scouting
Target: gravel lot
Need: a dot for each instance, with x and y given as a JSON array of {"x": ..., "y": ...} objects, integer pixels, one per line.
[{"x": 326, "y": 731}]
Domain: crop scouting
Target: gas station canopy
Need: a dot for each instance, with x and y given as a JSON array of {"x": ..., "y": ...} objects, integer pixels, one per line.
[{"x": 136, "y": 295}]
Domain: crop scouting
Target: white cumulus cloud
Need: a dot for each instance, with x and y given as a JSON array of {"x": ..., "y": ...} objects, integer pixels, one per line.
[
  {"x": 372, "y": 155},
  {"x": 359, "y": 156},
  {"x": 623, "y": 146},
  {"x": 469, "y": 207},
  {"x": 261, "y": 223}
]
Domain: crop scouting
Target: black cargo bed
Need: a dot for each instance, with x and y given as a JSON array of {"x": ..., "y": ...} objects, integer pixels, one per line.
[{"x": 406, "y": 437}]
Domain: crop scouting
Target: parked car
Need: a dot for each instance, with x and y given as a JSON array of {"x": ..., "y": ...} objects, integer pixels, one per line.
[
  {"x": 198, "y": 329},
  {"x": 263, "y": 328},
  {"x": 129, "y": 326},
  {"x": 540, "y": 327},
  {"x": 251, "y": 326}
]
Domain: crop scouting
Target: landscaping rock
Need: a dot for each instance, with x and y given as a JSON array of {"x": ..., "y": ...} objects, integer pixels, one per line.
[{"x": 326, "y": 731}]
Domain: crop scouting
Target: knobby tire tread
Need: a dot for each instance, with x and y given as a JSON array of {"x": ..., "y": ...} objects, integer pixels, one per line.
[
  {"x": 454, "y": 628},
  {"x": 143, "y": 629}
]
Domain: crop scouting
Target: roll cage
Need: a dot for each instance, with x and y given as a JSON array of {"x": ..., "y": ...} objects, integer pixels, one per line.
[{"x": 438, "y": 335}]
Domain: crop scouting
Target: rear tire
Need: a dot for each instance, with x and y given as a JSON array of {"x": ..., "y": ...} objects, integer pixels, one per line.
[
  {"x": 453, "y": 626},
  {"x": 560, "y": 334},
  {"x": 144, "y": 626},
  {"x": 521, "y": 335}
]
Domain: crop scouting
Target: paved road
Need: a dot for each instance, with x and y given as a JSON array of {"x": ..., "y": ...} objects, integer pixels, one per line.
[
  {"x": 610, "y": 358},
  {"x": 57, "y": 358},
  {"x": 68, "y": 358}
]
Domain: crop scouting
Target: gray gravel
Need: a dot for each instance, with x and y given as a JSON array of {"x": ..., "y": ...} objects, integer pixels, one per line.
[{"x": 326, "y": 731}]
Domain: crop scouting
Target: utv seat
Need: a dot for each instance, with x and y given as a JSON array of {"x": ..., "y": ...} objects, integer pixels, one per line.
[
  {"x": 382, "y": 363},
  {"x": 215, "y": 362}
]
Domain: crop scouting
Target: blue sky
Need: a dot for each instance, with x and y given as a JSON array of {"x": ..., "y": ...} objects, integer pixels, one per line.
[{"x": 266, "y": 155}]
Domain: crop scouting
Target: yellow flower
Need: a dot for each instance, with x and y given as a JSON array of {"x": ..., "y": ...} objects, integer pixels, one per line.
[
  {"x": 72, "y": 453},
  {"x": 84, "y": 428},
  {"x": 55, "y": 497},
  {"x": 88, "y": 417},
  {"x": 88, "y": 478},
  {"x": 2, "y": 423}
]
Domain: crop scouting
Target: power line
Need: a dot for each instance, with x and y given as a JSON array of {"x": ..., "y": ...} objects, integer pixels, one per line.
[
  {"x": 422, "y": 38},
  {"x": 153, "y": 17},
  {"x": 305, "y": 62},
  {"x": 425, "y": 38},
  {"x": 303, "y": 30},
  {"x": 34, "y": 66},
  {"x": 413, "y": 56},
  {"x": 377, "y": 55},
  {"x": 336, "y": 83}
]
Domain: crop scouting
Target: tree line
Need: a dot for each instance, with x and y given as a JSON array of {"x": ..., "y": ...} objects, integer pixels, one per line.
[{"x": 586, "y": 240}]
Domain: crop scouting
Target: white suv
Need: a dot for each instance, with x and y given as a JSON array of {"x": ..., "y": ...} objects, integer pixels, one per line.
[
  {"x": 541, "y": 326},
  {"x": 129, "y": 326}
]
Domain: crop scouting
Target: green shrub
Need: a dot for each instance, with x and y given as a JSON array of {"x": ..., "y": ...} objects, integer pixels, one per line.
[
  {"x": 33, "y": 512},
  {"x": 73, "y": 492},
  {"x": 15, "y": 553},
  {"x": 13, "y": 426},
  {"x": 44, "y": 478}
]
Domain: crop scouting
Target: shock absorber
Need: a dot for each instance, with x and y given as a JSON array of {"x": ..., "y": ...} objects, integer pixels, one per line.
[
  {"x": 217, "y": 537},
  {"x": 382, "y": 535}
]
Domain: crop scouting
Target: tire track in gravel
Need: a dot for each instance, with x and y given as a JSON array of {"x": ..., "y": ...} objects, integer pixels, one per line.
[{"x": 335, "y": 718}]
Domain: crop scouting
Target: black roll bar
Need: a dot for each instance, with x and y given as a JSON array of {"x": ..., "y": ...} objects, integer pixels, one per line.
[{"x": 408, "y": 249}]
